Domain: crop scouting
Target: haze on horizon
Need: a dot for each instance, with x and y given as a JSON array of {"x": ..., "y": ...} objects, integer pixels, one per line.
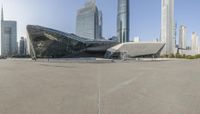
[{"x": 61, "y": 15}]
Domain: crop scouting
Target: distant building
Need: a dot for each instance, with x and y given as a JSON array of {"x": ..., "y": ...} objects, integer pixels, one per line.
[
  {"x": 23, "y": 46},
  {"x": 188, "y": 52},
  {"x": 182, "y": 37},
  {"x": 113, "y": 38},
  {"x": 195, "y": 41},
  {"x": 8, "y": 37},
  {"x": 123, "y": 21},
  {"x": 168, "y": 26},
  {"x": 136, "y": 39},
  {"x": 156, "y": 40},
  {"x": 89, "y": 21},
  {"x": 188, "y": 48}
]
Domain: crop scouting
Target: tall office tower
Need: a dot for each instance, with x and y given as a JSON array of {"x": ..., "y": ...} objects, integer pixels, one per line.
[
  {"x": 100, "y": 31},
  {"x": 174, "y": 40},
  {"x": 195, "y": 41},
  {"x": 123, "y": 21},
  {"x": 87, "y": 21},
  {"x": 182, "y": 37},
  {"x": 8, "y": 37},
  {"x": 22, "y": 46},
  {"x": 167, "y": 26}
]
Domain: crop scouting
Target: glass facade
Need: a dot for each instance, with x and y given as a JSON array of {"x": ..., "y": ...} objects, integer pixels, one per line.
[
  {"x": 123, "y": 21},
  {"x": 8, "y": 38},
  {"x": 168, "y": 32},
  {"x": 87, "y": 22},
  {"x": 49, "y": 43}
]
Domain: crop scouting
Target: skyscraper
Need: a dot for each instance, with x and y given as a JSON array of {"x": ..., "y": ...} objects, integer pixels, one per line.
[
  {"x": 123, "y": 21},
  {"x": 22, "y": 46},
  {"x": 8, "y": 37},
  {"x": 100, "y": 24},
  {"x": 174, "y": 40},
  {"x": 195, "y": 41},
  {"x": 167, "y": 26},
  {"x": 182, "y": 37},
  {"x": 89, "y": 21}
]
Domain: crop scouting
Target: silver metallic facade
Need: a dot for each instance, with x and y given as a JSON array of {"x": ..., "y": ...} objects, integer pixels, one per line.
[
  {"x": 123, "y": 21},
  {"x": 8, "y": 37},
  {"x": 89, "y": 21},
  {"x": 50, "y": 43},
  {"x": 168, "y": 26},
  {"x": 134, "y": 50}
]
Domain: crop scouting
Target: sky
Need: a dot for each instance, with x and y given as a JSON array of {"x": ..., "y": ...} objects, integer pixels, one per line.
[{"x": 145, "y": 15}]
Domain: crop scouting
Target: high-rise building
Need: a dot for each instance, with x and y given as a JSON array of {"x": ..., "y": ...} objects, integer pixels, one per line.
[
  {"x": 182, "y": 37},
  {"x": 195, "y": 41},
  {"x": 89, "y": 21},
  {"x": 174, "y": 40},
  {"x": 113, "y": 38},
  {"x": 123, "y": 21},
  {"x": 100, "y": 24},
  {"x": 8, "y": 37},
  {"x": 167, "y": 26},
  {"x": 136, "y": 39},
  {"x": 23, "y": 46}
]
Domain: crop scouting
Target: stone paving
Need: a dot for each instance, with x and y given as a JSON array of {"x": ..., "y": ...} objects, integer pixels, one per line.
[{"x": 157, "y": 87}]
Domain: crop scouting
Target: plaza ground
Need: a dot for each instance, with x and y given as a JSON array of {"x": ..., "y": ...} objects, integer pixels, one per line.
[{"x": 152, "y": 87}]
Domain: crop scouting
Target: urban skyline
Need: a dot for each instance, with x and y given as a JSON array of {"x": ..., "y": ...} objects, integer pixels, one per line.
[{"x": 139, "y": 10}]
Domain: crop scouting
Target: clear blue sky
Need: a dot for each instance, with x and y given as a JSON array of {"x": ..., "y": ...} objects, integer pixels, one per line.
[{"x": 61, "y": 15}]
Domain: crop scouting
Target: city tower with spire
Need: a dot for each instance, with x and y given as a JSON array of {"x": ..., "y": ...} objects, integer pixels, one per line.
[{"x": 8, "y": 36}]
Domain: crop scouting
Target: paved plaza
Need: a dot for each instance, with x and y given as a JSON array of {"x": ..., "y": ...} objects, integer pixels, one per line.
[{"x": 151, "y": 87}]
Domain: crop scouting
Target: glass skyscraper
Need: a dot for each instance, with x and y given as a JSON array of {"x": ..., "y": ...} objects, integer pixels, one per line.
[
  {"x": 182, "y": 36},
  {"x": 89, "y": 21},
  {"x": 100, "y": 29},
  {"x": 22, "y": 46},
  {"x": 8, "y": 37},
  {"x": 123, "y": 21},
  {"x": 168, "y": 26}
]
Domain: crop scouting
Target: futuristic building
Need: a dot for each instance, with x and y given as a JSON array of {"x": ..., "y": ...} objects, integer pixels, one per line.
[
  {"x": 134, "y": 50},
  {"x": 123, "y": 21},
  {"x": 46, "y": 42},
  {"x": 49, "y": 43}
]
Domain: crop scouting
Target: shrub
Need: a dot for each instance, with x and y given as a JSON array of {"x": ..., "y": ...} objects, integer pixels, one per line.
[
  {"x": 171, "y": 56},
  {"x": 181, "y": 56}
]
